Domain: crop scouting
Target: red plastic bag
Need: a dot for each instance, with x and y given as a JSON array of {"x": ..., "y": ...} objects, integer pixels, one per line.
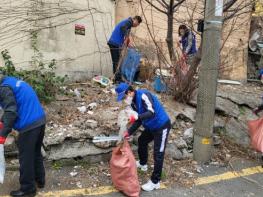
[
  {"x": 124, "y": 171},
  {"x": 256, "y": 133}
]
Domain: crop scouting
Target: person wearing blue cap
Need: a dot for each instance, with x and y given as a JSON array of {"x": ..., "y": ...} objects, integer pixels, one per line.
[{"x": 153, "y": 117}]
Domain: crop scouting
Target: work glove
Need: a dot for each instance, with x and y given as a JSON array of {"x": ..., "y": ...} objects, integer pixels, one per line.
[
  {"x": 2, "y": 139},
  {"x": 126, "y": 135},
  {"x": 132, "y": 119}
]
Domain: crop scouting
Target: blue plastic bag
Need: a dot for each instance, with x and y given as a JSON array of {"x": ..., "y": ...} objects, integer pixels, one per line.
[
  {"x": 130, "y": 64},
  {"x": 159, "y": 85}
]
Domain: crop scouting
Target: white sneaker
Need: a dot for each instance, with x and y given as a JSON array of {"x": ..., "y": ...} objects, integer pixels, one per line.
[
  {"x": 143, "y": 168},
  {"x": 150, "y": 186}
]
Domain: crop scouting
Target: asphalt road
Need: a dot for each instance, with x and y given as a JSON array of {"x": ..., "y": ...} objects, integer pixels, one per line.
[{"x": 246, "y": 180}]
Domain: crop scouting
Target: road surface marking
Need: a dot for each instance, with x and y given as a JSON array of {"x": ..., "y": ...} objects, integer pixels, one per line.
[
  {"x": 229, "y": 175},
  {"x": 82, "y": 192},
  {"x": 109, "y": 189}
]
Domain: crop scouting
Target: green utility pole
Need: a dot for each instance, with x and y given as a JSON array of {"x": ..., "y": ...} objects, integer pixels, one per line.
[{"x": 208, "y": 74}]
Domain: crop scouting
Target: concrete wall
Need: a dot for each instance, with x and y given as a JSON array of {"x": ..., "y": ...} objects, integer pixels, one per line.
[
  {"x": 233, "y": 54},
  {"x": 78, "y": 56},
  {"x": 84, "y": 56}
]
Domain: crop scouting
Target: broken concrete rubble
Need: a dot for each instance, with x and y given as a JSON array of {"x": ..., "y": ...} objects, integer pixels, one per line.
[
  {"x": 240, "y": 97},
  {"x": 180, "y": 143},
  {"x": 91, "y": 124},
  {"x": 173, "y": 152},
  {"x": 227, "y": 107},
  {"x": 70, "y": 149},
  {"x": 187, "y": 114},
  {"x": 69, "y": 132},
  {"x": 238, "y": 132},
  {"x": 188, "y": 135},
  {"x": 234, "y": 108}
]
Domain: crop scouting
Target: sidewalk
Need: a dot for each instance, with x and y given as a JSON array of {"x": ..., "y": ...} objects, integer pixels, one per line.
[{"x": 246, "y": 180}]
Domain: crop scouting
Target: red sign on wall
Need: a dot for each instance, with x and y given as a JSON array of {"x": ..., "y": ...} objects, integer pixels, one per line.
[{"x": 79, "y": 29}]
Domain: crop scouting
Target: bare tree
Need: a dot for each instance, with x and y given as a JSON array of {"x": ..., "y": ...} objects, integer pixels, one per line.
[
  {"x": 168, "y": 8},
  {"x": 184, "y": 85}
]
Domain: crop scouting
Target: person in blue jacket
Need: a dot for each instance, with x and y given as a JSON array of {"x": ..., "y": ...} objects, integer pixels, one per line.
[
  {"x": 153, "y": 117},
  {"x": 188, "y": 41},
  {"x": 119, "y": 37},
  {"x": 24, "y": 113}
]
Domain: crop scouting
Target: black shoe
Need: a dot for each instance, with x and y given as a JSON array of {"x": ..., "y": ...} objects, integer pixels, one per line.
[
  {"x": 20, "y": 193},
  {"x": 40, "y": 184}
]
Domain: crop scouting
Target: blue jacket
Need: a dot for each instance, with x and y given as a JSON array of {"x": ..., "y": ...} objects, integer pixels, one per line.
[
  {"x": 185, "y": 44},
  {"x": 121, "y": 30},
  {"x": 160, "y": 117},
  {"x": 29, "y": 109}
]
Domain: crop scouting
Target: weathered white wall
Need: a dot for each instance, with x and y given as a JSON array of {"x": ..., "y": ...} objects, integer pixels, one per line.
[{"x": 78, "y": 56}]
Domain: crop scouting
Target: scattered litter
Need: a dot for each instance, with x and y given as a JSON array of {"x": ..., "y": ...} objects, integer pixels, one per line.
[
  {"x": 77, "y": 93},
  {"x": 228, "y": 157},
  {"x": 82, "y": 109},
  {"x": 14, "y": 162},
  {"x": 104, "y": 81},
  {"x": 229, "y": 82},
  {"x": 113, "y": 91},
  {"x": 106, "y": 91},
  {"x": 163, "y": 72},
  {"x": 92, "y": 106},
  {"x": 137, "y": 83},
  {"x": 214, "y": 163},
  {"x": 79, "y": 185},
  {"x": 90, "y": 112},
  {"x": 123, "y": 119},
  {"x": 115, "y": 108},
  {"x": 63, "y": 87},
  {"x": 217, "y": 140},
  {"x": 73, "y": 174},
  {"x": 199, "y": 169}
]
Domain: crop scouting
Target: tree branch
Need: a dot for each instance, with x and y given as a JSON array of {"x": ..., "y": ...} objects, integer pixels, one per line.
[
  {"x": 165, "y": 2},
  {"x": 162, "y": 4},
  {"x": 177, "y": 4},
  {"x": 151, "y": 4},
  {"x": 229, "y": 4}
]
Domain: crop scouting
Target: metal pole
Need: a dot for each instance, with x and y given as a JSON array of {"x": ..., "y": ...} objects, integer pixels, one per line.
[{"x": 208, "y": 74}]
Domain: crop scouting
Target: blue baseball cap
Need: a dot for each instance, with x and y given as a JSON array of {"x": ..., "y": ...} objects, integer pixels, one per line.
[{"x": 120, "y": 90}]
